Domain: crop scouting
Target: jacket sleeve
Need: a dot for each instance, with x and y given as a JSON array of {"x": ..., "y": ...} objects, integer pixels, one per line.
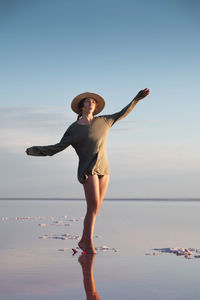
[
  {"x": 111, "y": 119},
  {"x": 52, "y": 149}
]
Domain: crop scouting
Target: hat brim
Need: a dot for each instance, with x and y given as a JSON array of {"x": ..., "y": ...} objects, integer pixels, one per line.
[{"x": 100, "y": 102}]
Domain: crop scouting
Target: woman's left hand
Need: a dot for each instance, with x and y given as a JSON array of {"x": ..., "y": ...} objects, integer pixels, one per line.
[{"x": 142, "y": 94}]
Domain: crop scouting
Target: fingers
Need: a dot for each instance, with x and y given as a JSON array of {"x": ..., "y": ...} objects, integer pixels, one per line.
[
  {"x": 143, "y": 93},
  {"x": 147, "y": 91}
]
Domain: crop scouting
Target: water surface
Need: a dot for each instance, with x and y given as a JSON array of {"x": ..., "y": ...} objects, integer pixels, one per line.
[{"x": 33, "y": 268}]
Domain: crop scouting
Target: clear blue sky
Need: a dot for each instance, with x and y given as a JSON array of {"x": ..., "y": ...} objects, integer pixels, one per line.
[{"x": 53, "y": 50}]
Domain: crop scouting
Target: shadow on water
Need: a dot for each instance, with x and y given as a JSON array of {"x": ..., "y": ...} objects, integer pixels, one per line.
[{"x": 86, "y": 262}]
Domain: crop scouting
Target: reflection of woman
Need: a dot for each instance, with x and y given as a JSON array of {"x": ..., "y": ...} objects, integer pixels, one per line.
[
  {"x": 86, "y": 262},
  {"x": 88, "y": 137}
]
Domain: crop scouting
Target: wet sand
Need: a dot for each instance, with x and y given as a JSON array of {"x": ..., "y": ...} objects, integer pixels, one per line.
[{"x": 136, "y": 246}]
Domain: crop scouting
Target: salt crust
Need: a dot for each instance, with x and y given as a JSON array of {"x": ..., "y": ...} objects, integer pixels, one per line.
[
  {"x": 188, "y": 253},
  {"x": 62, "y": 221}
]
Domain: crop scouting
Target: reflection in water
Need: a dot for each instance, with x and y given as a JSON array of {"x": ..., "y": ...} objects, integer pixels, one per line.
[{"x": 86, "y": 262}]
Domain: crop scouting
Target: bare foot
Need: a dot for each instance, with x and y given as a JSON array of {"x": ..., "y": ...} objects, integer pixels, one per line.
[
  {"x": 81, "y": 246},
  {"x": 90, "y": 250},
  {"x": 87, "y": 249}
]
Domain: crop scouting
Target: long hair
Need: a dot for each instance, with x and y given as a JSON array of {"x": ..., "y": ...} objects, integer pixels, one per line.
[{"x": 80, "y": 106}]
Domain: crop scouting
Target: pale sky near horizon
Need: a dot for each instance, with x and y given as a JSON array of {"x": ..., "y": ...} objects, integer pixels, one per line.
[{"x": 53, "y": 50}]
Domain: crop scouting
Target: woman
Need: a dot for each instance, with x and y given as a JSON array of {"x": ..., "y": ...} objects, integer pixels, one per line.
[{"x": 88, "y": 137}]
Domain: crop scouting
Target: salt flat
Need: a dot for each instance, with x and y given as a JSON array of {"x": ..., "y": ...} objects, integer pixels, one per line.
[{"x": 37, "y": 261}]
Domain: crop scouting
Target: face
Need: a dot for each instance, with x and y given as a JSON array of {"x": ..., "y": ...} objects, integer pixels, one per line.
[{"x": 89, "y": 105}]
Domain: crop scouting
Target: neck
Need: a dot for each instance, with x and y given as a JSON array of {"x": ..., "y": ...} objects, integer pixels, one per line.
[{"x": 87, "y": 116}]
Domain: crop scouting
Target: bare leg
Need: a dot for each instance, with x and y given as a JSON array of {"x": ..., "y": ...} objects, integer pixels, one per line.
[
  {"x": 95, "y": 189},
  {"x": 103, "y": 185},
  {"x": 91, "y": 188}
]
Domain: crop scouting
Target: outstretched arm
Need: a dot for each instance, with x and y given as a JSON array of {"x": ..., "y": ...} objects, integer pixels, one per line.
[
  {"x": 51, "y": 149},
  {"x": 111, "y": 119}
]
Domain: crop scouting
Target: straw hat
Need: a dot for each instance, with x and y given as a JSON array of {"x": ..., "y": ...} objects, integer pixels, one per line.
[{"x": 100, "y": 102}]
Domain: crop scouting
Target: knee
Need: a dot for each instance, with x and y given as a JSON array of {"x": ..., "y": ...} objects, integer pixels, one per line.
[{"x": 93, "y": 210}]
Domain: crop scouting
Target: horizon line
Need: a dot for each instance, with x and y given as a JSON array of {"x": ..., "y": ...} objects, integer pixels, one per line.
[{"x": 106, "y": 199}]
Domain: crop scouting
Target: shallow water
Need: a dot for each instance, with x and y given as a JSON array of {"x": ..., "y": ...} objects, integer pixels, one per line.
[{"x": 34, "y": 268}]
